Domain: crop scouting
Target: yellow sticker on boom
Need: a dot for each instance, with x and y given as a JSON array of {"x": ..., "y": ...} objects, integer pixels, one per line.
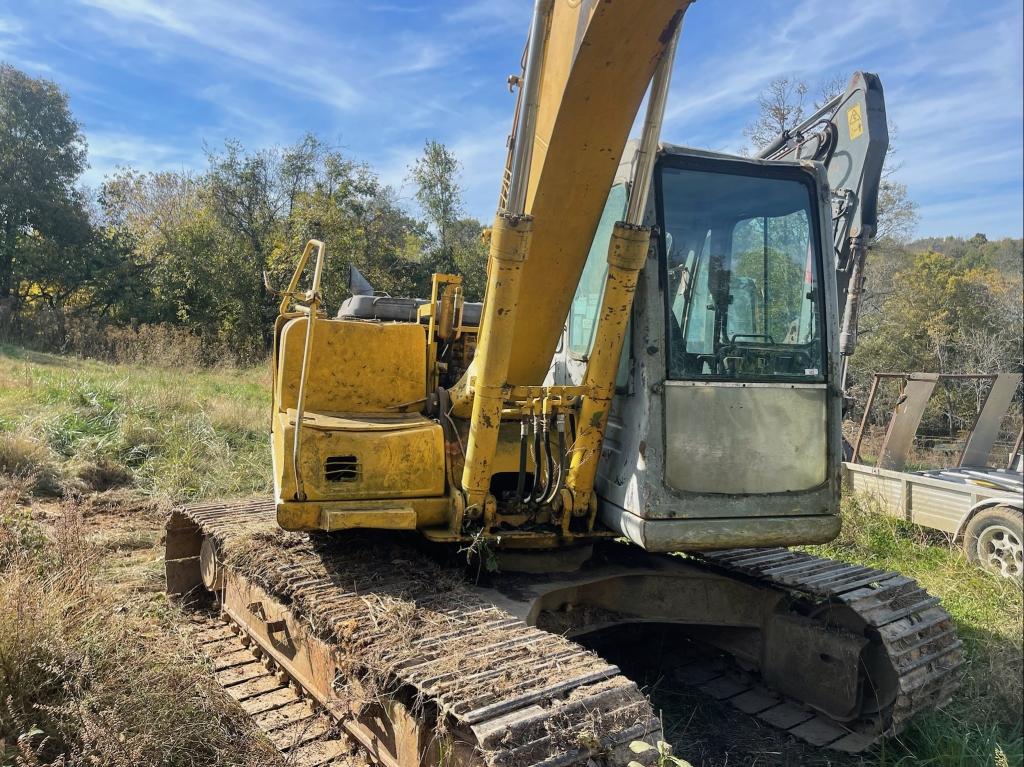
[{"x": 854, "y": 120}]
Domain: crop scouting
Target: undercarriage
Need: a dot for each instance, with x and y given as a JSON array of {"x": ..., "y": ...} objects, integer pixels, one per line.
[{"x": 419, "y": 663}]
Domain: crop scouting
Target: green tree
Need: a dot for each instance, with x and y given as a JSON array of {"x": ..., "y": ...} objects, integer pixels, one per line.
[
  {"x": 176, "y": 247},
  {"x": 247, "y": 197},
  {"x": 435, "y": 175},
  {"x": 457, "y": 246},
  {"x": 42, "y": 155},
  {"x": 470, "y": 255},
  {"x": 363, "y": 225},
  {"x": 943, "y": 313}
]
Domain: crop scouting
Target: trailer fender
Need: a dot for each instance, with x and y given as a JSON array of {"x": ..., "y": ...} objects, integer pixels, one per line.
[{"x": 988, "y": 503}]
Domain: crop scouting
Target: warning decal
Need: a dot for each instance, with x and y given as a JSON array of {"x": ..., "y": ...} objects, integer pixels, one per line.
[{"x": 853, "y": 118}]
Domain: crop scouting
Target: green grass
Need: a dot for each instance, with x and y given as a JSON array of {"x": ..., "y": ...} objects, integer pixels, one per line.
[{"x": 84, "y": 426}]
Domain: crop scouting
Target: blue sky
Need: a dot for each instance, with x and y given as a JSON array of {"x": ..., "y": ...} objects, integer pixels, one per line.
[{"x": 152, "y": 80}]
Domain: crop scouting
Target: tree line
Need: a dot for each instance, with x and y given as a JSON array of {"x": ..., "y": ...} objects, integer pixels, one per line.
[{"x": 197, "y": 249}]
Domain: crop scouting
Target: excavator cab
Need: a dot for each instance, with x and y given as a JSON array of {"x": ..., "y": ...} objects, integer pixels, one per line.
[{"x": 725, "y": 428}]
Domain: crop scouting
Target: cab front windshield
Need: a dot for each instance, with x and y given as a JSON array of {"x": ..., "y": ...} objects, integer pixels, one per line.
[{"x": 742, "y": 274}]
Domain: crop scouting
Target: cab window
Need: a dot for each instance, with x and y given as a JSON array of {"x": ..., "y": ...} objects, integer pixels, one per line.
[{"x": 744, "y": 296}]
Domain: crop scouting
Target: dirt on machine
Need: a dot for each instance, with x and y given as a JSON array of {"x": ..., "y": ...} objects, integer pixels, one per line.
[{"x": 632, "y": 428}]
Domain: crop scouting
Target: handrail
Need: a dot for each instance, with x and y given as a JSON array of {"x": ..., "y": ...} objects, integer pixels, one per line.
[{"x": 312, "y": 300}]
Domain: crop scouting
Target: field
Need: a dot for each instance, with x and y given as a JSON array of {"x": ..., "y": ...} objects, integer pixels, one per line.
[{"x": 94, "y": 668}]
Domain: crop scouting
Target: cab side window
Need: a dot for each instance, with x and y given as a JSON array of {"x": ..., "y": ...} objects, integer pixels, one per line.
[{"x": 587, "y": 301}]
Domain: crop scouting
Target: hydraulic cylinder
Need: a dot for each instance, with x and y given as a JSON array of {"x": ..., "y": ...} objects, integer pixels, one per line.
[
  {"x": 510, "y": 242},
  {"x": 627, "y": 253}
]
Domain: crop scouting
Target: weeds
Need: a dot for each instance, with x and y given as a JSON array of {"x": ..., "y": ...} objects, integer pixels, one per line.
[
  {"x": 85, "y": 680},
  {"x": 89, "y": 658},
  {"x": 159, "y": 345},
  {"x": 26, "y": 461}
]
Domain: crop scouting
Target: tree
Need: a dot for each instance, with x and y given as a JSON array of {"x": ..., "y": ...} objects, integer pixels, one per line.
[
  {"x": 42, "y": 155},
  {"x": 363, "y": 225},
  {"x": 175, "y": 247},
  {"x": 247, "y": 197},
  {"x": 780, "y": 108},
  {"x": 457, "y": 244},
  {"x": 944, "y": 313},
  {"x": 436, "y": 177}
]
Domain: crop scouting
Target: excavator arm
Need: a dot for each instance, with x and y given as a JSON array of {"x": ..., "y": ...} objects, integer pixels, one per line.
[
  {"x": 850, "y": 136},
  {"x": 587, "y": 68}
]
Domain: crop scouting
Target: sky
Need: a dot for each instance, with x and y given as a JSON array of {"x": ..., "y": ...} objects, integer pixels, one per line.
[{"x": 153, "y": 82}]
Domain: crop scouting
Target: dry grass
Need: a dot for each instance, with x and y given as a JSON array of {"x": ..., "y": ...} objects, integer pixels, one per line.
[
  {"x": 157, "y": 345},
  {"x": 91, "y": 672},
  {"x": 25, "y": 460}
]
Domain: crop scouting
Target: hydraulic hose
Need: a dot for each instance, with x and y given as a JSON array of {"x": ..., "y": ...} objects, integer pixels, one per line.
[
  {"x": 536, "y": 461},
  {"x": 549, "y": 463},
  {"x": 541, "y": 451},
  {"x": 556, "y": 486},
  {"x": 524, "y": 433}
]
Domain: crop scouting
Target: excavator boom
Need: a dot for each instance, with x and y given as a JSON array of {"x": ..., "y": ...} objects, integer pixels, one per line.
[{"x": 594, "y": 79}]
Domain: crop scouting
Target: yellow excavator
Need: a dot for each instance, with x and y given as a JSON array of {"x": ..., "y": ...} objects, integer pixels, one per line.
[{"x": 641, "y": 415}]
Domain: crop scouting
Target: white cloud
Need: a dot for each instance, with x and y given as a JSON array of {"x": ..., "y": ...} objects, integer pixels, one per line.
[
  {"x": 10, "y": 26},
  {"x": 415, "y": 56},
  {"x": 269, "y": 47},
  {"x": 110, "y": 150}
]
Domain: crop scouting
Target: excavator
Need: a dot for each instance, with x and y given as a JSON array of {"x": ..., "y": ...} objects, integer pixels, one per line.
[{"x": 632, "y": 428}]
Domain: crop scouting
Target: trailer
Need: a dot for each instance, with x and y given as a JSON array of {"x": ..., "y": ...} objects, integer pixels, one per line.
[{"x": 981, "y": 507}]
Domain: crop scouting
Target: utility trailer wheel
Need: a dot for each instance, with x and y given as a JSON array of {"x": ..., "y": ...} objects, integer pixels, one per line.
[{"x": 993, "y": 540}]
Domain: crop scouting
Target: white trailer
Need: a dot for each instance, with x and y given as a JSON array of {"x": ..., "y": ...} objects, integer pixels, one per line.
[{"x": 982, "y": 508}]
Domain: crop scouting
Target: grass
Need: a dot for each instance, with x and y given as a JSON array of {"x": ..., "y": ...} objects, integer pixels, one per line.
[
  {"x": 93, "y": 667},
  {"x": 82, "y": 426},
  {"x": 89, "y": 454}
]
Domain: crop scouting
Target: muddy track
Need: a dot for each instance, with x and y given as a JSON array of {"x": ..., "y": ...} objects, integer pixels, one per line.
[
  {"x": 484, "y": 686},
  {"x": 398, "y": 638},
  {"x": 293, "y": 722}
]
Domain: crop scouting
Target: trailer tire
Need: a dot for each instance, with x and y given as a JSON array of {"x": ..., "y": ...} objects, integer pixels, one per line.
[{"x": 993, "y": 540}]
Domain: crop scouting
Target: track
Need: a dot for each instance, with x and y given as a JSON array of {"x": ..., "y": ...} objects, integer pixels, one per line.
[
  {"x": 291, "y": 721},
  {"x": 377, "y": 645},
  {"x": 419, "y": 668},
  {"x": 917, "y": 653}
]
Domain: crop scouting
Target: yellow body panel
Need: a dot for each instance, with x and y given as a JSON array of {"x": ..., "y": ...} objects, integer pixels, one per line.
[
  {"x": 386, "y": 461},
  {"x": 364, "y": 461},
  {"x": 357, "y": 367},
  {"x": 408, "y": 514}
]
